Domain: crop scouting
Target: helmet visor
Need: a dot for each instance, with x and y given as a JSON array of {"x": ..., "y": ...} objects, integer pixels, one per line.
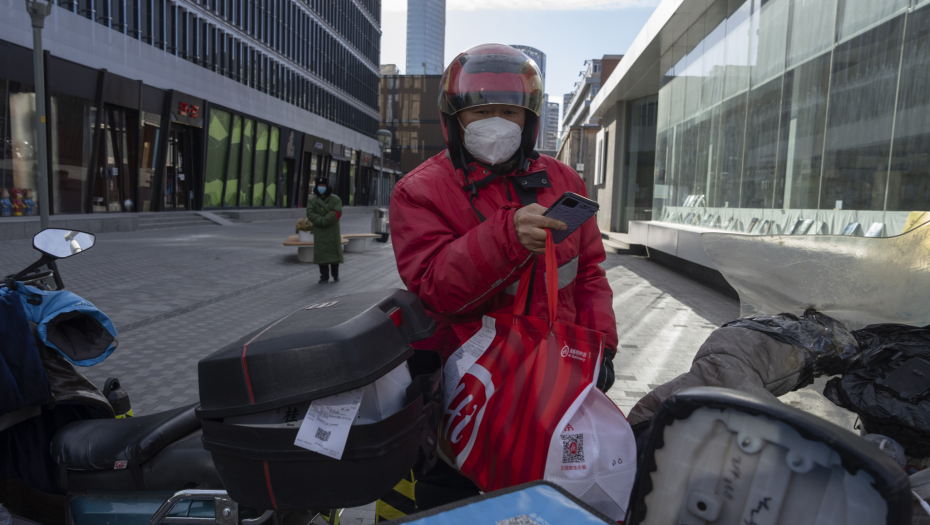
[{"x": 505, "y": 77}]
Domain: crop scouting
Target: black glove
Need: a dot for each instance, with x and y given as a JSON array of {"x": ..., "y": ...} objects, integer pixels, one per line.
[{"x": 605, "y": 379}]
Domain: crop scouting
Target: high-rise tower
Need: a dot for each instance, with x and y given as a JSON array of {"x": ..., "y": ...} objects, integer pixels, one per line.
[
  {"x": 540, "y": 58},
  {"x": 426, "y": 36}
]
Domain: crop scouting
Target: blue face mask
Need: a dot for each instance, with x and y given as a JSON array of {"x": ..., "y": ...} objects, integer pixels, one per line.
[{"x": 321, "y": 189}]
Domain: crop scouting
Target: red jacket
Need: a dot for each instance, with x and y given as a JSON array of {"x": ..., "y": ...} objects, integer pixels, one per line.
[{"x": 461, "y": 268}]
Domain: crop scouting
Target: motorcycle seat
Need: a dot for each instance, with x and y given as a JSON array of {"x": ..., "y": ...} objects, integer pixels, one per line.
[
  {"x": 181, "y": 465},
  {"x": 108, "y": 444}
]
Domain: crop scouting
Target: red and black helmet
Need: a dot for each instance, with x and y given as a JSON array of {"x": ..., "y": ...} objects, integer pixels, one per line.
[{"x": 491, "y": 74}]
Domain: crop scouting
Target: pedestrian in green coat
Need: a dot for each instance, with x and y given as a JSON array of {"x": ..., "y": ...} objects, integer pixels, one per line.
[{"x": 324, "y": 210}]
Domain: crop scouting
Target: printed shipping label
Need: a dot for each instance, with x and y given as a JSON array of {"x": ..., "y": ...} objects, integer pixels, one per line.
[
  {"x": 326, "y": 426},
  {"x": 463, "y": 358}
]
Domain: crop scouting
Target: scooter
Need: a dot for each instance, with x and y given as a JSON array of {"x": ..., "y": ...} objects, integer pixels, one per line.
[
  {"x": 150, "y": 469},
  {"x": 216, "y": 463}
]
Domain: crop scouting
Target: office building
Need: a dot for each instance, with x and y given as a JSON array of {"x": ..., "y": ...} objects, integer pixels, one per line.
[
  {"x": 409, "y": 110},
  {"x": 540, "y": 58},
  {"x": 581, "y": 143},
  {"x": 177, "y": 105},
  {"x": 426, "y": 37},
  {"x": 778, "y": 117},
  {"x": 552, "y": 126}
]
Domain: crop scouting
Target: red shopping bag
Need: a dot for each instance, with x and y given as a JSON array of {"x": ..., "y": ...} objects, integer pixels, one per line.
[{"x": 511, "y": 393}]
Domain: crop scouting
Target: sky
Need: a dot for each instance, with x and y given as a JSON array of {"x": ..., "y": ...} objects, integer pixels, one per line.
[{"x": 567, "y": 31}]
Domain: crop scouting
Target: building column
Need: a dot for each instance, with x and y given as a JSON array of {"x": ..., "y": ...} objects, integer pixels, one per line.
[{"x": 616, "y": 162}]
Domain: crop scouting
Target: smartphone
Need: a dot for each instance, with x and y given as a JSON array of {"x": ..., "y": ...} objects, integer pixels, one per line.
[{"x": 573, "y": 210}]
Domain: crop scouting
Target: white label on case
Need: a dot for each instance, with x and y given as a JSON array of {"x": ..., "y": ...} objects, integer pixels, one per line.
[{"x": 325, "y": 428}]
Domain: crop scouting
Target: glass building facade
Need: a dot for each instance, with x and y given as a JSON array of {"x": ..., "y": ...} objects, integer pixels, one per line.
[
  {"x": 796, "y": 116},
  {"x": 426, "y": 37},
  {"x": 319, "y": 55},
  {"x": 117, "y": 144}
]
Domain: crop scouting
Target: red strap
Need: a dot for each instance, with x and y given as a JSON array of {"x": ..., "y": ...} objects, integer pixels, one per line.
[
  {"x": 523, "y": 291},
  {"x": 552, "y": 276},
  {"x": 338, "y": 215},
  {"x": 552, "y": 282}
]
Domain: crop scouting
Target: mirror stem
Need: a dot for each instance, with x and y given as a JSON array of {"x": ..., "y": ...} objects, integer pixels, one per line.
[{"x": 53, "y": 266}]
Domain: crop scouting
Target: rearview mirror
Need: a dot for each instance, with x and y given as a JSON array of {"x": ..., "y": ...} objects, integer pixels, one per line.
[{"x": 62, "y": 243}]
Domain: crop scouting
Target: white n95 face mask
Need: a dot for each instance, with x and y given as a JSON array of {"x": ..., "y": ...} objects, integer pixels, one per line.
[{"x": 493, "y": 140}]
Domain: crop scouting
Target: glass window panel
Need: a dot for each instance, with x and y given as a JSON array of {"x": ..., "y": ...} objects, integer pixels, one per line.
[
  {"x": 664, "y": 99},
  {"x": 271, "y": 178},
  {"x": 811, "y": 29},
  {"x": 711, "y": 189},
  {"x": 861, "y": 111},
  {"x": 674, "y": 167},
  {"x": 71, "y": 143},
  {"x": 19, "y": 172},
  {"x": 676, "y": 81},
  {"x": 232, "y": 173},
  {"x": 730, "y": 161},
  {"x": 760, "y": 184},
  {"x": 285, "y": 191},
  {"x": 131, "y": 20},
  {"x": 769, "y": 39},
  {"x": 688, "y": 151},
  {"x": 909, "y": 179},
  {"x": 660, "y": 182},
  {"x": 804, "y": 118},
  {"x": 641, "y": 161},
  {"x": 737, "y": 51},
  {"x": 147, "y": 166},
  {"x": 677, "y": 90},
  {"x": 694, "y": 69},
  {"x": 702, "y": 157},
  {"x": 713, "y": 66},
  {"x": 217, "y": 147},
  {"x": 261, "y": 160},
  {"x": 245, "y": 179},
  {"x": 855, "y": 15}
]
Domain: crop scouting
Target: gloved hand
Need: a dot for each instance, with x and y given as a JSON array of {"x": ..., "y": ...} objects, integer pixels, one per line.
[{"x": 605, "y": 378}]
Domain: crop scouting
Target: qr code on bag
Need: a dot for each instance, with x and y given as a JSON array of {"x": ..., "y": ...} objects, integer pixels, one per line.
[
  {"x": 323, "y": 435},
  {"x": 572, "y": 448},
  {"x": 518, "y": 520}
]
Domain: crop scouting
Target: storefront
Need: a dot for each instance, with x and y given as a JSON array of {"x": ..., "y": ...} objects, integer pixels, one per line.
[
  {"x": 315, "y": 155},
  {"x": 340, "y": 171},
  {"x": 117, "y": 145},
  {"x": 246, "y": 166},
  {"x": 182, "y": 186}
]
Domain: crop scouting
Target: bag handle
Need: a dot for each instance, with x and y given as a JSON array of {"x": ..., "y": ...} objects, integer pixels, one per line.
[{"x": 552, "y": 282}]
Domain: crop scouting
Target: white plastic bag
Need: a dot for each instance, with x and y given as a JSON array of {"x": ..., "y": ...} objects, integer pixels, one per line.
[{"x": 594, "y": 455}]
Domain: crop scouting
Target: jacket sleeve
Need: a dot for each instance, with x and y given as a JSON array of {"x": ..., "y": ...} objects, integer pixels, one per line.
[
  {"x": 312, "y": 214},
  {"x": 593, "y": 296},
  {"x": 452, "y": 274},
  {"x": 326, "y": 219},
  {"x": 337, "y": 207}
]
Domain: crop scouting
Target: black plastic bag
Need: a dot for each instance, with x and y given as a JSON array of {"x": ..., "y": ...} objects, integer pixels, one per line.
[
  {"x": 889, "y": 388},
  {"x": 830, "y": 348}
]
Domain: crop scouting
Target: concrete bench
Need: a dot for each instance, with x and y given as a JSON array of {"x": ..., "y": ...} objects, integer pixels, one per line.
[
  {"x": 305, "y": 249},
  {"x": 358, "y": 242}
]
